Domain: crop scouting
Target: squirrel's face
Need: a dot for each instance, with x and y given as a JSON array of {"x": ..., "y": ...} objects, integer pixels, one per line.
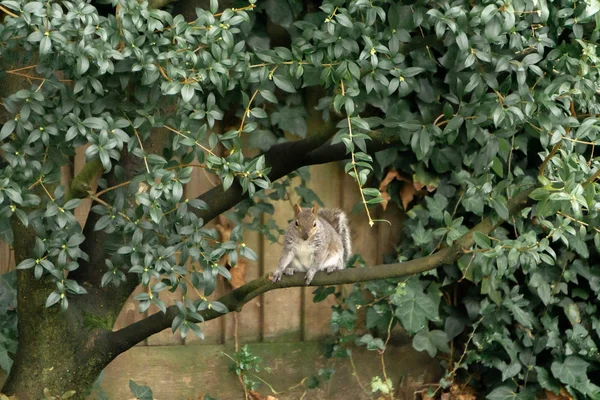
[{"x": 305, "y": 221}]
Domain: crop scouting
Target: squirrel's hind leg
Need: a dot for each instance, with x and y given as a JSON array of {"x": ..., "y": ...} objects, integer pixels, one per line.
[{"x": 334, "y": 263}]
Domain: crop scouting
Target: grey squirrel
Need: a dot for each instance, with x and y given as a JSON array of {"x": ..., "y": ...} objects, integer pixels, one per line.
[{"x": 315, "y": 241}]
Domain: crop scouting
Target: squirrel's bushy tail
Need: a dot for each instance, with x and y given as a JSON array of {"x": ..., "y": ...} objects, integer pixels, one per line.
[{"x": 339, "y": 221}]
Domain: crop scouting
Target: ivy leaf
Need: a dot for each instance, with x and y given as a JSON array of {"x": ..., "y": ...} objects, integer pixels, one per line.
[
  {"x": 432, "y": 341},
  {"x": 371, "y": 342},
  {"x": 139, "y": 391},
  {"x": 413, "y": 307},
  {"x": 546, "y": 381},
  {"x": 502, "y": 393},
  {"x": 322, "y": 292},
  {"x": 571, "y": 371}
]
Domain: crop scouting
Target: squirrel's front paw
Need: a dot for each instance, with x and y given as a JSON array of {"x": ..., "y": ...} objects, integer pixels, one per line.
[
  {"x": 276, "y": 276},
  {"x": 309, "y": 277}
]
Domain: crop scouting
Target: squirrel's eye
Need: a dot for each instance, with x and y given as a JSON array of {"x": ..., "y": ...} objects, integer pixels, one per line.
[
  {"x": 314, "y": 224},
  {"x": 296, "y": 222}
]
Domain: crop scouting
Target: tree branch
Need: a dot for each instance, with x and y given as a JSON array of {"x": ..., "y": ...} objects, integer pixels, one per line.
[
  {"x": 129, "y": 336},
  {"x": 283, "y": 159}
]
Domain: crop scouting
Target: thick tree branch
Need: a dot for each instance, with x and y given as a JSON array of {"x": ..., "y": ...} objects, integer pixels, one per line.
[
  {"x": 129, "y": 336},
  {"x": 283, "y": 159}
]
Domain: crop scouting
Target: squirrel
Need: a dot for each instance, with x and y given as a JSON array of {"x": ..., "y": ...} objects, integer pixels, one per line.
[{"x": 315, "y": 241}]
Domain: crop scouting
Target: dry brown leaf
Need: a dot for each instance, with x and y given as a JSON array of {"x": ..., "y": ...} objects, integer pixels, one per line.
[
  {"x": 238, "y": 273},
  {"x": 254, "y": 395},
  {"x": 460, "y": 392},
  {"x": 424, "y": 395},
  {"x": 562, "y": 395},
  {"x": 407, "y": 194},
  {"x": 224, "y": 227},
  {"x": 389, "y": 177},
  {"x": 418, "y": 186},
  {"x": 445, "y": 396},
  {"x": 386, "y": 198}
]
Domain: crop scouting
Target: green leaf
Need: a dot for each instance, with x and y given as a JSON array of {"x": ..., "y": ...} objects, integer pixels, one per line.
[
  {"x": 7, "y": 128},
  {"x": 502, "y": 393},
  {"x": 95, "y": 123},
  {"x": 218, "y": 307},
  {"x": 546, "y": 381},
  {"x": 571, "y": 371},
  {"x": 139, "y": 391},
  {"x": 187, "y": 92},
  {"x": 431, "y": 341},
  {"x": 322, "y": 292},
  {"x": 371, "y": 342},
  {"x": 269, "y": 96},
  {"x": 413, "y": 307},
  {"x": 284, "y": 84},
  {"x": 500, "y": 207},
  {"x": 344, "y": 20},
  {"x": 482, "y": 240},
  {"x": 214, "y": 6},
  {"x": 227, "y": 181},
  {"x": 52, "y": 299}
]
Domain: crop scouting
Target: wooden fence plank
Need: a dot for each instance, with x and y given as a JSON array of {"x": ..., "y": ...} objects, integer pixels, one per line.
[
  {"x": 213, "y": 330},
  {"x": 364, "y": 237},
  {"x": 248, "y": 320},
  {"x": 7, "y": 258},
  {"x": 247, "y": 323},
  {"x": 325, "y": 181},
  {"x": 281, "y": 308},
  {"x": 166, "y": 337},
  {"x": 130, "y": 313},
  {"x": 389, "y": 235}
]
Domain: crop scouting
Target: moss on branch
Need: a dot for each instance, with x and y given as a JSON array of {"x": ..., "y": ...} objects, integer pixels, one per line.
[{"x": 82, "y": 183}]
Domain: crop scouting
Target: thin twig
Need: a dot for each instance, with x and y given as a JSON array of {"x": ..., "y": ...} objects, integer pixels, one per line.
[
  {"x": 206, "y": 149},
  {"x": 355, "y": 373},
  {"x": 548, "y": 157},
  {"x": 137, "y": 135},
  {"x": 7, "y": 11},
  {"x": 362, "y": 195},
  {"x": 246, "y": 112}
]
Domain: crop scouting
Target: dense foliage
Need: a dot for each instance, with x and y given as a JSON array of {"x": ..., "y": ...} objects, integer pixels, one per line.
[{"x": 478, "y": 100}]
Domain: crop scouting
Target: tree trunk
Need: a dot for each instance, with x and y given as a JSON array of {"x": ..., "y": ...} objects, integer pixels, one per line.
[
  {"x": 56, "y": 365},
  {"x": 60, "y": 351}
]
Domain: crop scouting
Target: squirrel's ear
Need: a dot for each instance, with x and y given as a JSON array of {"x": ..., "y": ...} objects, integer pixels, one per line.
[
  {"x": 297, "y": 209},
  {"x": 314, "y": 209}
]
